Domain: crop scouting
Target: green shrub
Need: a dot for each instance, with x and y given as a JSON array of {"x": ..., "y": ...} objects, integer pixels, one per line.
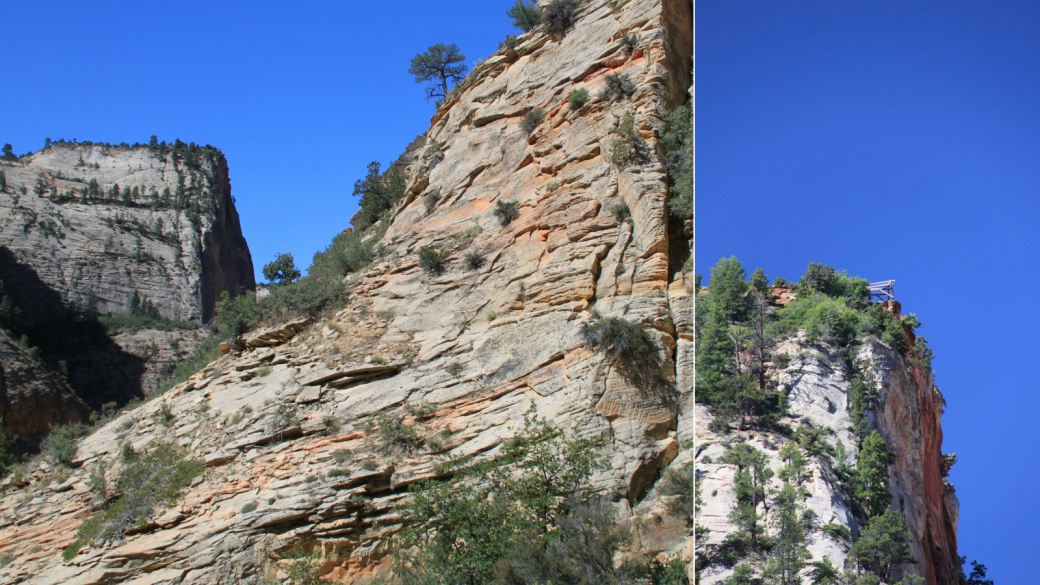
[
  {"x": 165, "y": 415},
  {"x": 629, "y": 42},
  {"x": 532, "y": 120},
  {"x": 432, "y": 260},
  {"x": 620, "y": 338},
  {"x": 525, "y": 15},
  {"x": 474, "y": 260},
  {"x": 149, "y": 481},
  {"x": 672, "y": 572},
  {"x": 507, "y": 211},
  {"x": 678, "y": 145},
  {"x": 454, "y": 369},
  {"x": 542, "y": 496},
  {"x": 618, "y": 86},
  {"x": 331, "y": 424},
  {"x": 870, "y": 481},
  {"x": 282, "y": 270},
  {"x": 431, "y": 201},
  {"x": 679, "y": 482},
  {"x": 248, "y": 507},
  {"x": 510, "y": 42},
  {"x": 838, "y": 532},
  {"x": 235, "y": 316},
  {"x": 369, "y": 464},
  {"x": 339, "y": 472},
  {"x": 60, "y": 445},
  {"x": 341, "y": 455},
  {"x": 578, "y": 98},
  {"x": 378, "y": 192},
  {"x": 395, "y": 436},
  {"x": 621, "y": 211},
  {"x": 628, "y": 147},
  {"x": 558, "y": 16},
  {"x": 420, "y": 410}
]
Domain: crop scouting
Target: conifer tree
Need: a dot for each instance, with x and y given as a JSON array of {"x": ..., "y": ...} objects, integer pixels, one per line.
[
  {"x": 871, "y": 479},
  {"x": 789, "y": 553},
  {"x": 729, "y": 289},
  {"x": 440, "y": 64},
  {"x": 753, "y": 473},
  {"x": 883, "y": 545}
]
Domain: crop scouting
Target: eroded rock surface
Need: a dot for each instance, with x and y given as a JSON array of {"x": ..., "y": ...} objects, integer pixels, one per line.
[{"x": 479, "y": 346}]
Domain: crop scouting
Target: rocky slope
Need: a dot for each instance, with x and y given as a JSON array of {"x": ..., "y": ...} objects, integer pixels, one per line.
[
  {"x": 480, "y": 346},
  {"x": 90, "y": 225},
  {"x": 907, "y": 415}
]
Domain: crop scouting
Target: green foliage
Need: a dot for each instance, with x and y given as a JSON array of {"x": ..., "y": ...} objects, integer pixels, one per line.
[
  {"x": 743, "y": 574},
  {"x": 432, "y": 260},
  {"x": 825, "y": 573},
  {"x": 673, "y": 572},
  {"x": 795, "y": 472},
  {"x": 541, "y": 510},
  {"x": 760, "y": 282},
  {"x": 789, "y": 553},
  {"x": 248, "y": 507},
  {"x": 870, "y": 483},
  {"x": 281, "y": 270},
  {"x": 753, "y": 474},
  {"x": 7, "y": 456},
  {"x": 729, "y": 289},
  {"x": 235, "y": 316},
  {"x": 204, "y": 354},
  {"x": 882, "y": 545},
  {"x": 578, "y": 98},
  {"x": 431, "y": 201},
  {"x": 679, "y": 482},
  {"x": 165, "y": 415},
  {"x": 715, "y": 348},
  {"x": 978, "y": 575},
  {"x": 620, "y": 211},
  {"x": 558, "y": 16},
  {"x": 507, "y": 211},
  {"x": 838, "y": 532},
  {"x": 10, "y": 313},
  {"x": 510, "y": 42},
  {"x": 439, "y": 65},
  {"x": 8, "y": 152},
  {"x": 618, "y": 87},
  {"x": 525, "y": 15},
  {"x": 826, "y": 280},
  {"x": 146, "y": 482},
  {"x": 862, "y": 396},
  {"x": 678, "y": 144},
  {"x": 628, "y": 147},
  {"x": 397, "y": 437},
  {"x": 378, "y": 192},
  {"x": 60, "y": 445},
  {"x": 454, "y": 369},
  {"x": 621, "y": 339},
  {"x": 629, "y": 42},
  {"x": 531, "y": 120},
  {"x": 474, "y": 260}
]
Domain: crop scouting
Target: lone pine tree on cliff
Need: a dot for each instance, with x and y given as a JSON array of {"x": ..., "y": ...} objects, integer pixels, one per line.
[{"x": 439, "y": 64}]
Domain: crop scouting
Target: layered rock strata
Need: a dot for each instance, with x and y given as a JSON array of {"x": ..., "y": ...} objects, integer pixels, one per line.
[{"x": 481, "y": 346}]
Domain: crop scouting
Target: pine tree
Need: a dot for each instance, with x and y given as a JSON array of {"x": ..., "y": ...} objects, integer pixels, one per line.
[
  {"x": 715, "y": 350},
  {"x": 135, "y": 304},
  {"x": 883, "y": 545},
  {"x": 440, "y": 64},
  {"x": 871, "y": 478},
  {"x": 749, "y": 484},
  {"x": 729, "y": 289},
  {"x": 789, "y": 553}
]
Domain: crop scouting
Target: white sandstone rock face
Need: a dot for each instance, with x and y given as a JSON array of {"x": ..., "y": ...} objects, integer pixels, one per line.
[
  {"x": 111, "y": 246},
  {"x": 819, "y": 385},
  {"x": 481, "y": 347}
]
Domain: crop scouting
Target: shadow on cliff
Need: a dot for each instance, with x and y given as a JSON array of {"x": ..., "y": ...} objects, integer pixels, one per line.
[{"x": 98, "y": 369}]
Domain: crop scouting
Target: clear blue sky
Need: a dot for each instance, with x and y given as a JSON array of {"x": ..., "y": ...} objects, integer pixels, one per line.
[
  {"x": 300, "y": 96},
  {"x": 898, "y": 140}
]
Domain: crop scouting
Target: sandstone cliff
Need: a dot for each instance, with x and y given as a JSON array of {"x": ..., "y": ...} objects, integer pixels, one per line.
[
  {"x": 89, "y": 226},
  {"x": 110, "y": 220},
  {"x": 817, "y": 381},
  {"x": 479, "y": 345}
]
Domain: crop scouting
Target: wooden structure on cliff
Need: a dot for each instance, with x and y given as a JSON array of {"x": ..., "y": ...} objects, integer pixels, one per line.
[{"x": 882, "y": 291}]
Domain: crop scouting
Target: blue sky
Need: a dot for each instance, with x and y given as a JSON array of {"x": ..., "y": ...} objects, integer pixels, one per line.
[
  {"x": 300, "y": 96},
  {"x": 898, "y": 140}
]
